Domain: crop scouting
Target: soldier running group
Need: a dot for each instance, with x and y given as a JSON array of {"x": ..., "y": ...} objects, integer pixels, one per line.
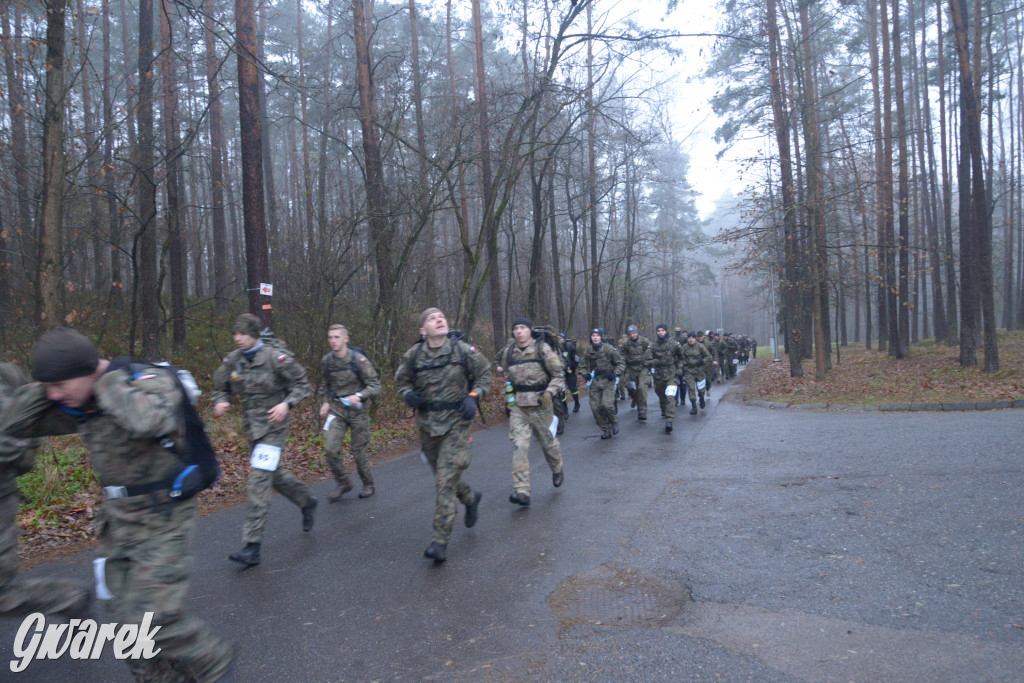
[{"x": 130, "y": 421}]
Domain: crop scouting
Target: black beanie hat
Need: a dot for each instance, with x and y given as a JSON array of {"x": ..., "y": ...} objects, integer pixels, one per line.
[
  {"x": 62, "y": 354},
  {"x": 247, "y": 323},
  {"x": 662, "y": 326},
  {"x": 523, "y": 321}
]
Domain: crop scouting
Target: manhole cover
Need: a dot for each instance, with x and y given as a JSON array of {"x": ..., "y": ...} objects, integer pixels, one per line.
[{"x": 612, "y": 596}]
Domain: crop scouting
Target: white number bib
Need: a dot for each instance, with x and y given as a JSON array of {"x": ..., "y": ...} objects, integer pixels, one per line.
[
  {"x": 671, "y": 390},
  {"x": 701, "y": 384},
  {"x": 266, "y": 457}
]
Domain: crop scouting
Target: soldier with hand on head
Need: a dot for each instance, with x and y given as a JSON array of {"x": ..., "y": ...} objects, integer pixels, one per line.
[
  {"x": 348, "y": 381},
  {"x": 601, "y": 366},
  {"x": 444, "y": 379},
  {"x": 270, "y": 383},
  {"x": 130, "y": 422},
  {"x": 20, "y": 596},
  {"x": 534, "y": 369}
]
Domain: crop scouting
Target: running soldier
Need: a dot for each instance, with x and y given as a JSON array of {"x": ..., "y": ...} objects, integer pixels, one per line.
[
  {"x": 664, "y": 359},
  {"x": 730, "y": 348},
  {"x": 535, "y": 370},
  {"x": 444, "y": 380},
  {"x": 571, "y": 361},
  {"x": 348, "y": 381},
  {"x": 696, "y": 360},
  {"x": 21, "y": 597},
  {"x": 269, "y": 382},
  {"x": 125, "y": 418},
  {"x": 710, "y": 373},
  {"x": 634, "y": 351},
  {"x": 601, "y": 366}
]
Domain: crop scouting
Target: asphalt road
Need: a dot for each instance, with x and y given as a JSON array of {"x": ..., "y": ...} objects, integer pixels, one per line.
[{"x": 750, "y": 544}]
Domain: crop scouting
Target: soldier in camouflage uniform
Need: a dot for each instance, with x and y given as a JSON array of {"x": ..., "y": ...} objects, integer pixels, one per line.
[
  {"x": 665, "y": 358},
  {"x": 697, "y": 360},
  {"x": 348, "y": 381},
  {"x": 21, "y": 597},
  {"x": 729, "y": 349},
  {"x": 570, "y": 362},
  {"x": 710, "y": 373},
  {"x": 719, "y": 353},
  {"x": 444, "y": 379},
  {"x": 124, "y": 420},
  {"x": 601, "y": 365},
  {"x": 633, "y": 351},
  {"x": 265, "y": 376},
  {"x": 535, "y": 371},
  {"x": 620, "y": 388}
]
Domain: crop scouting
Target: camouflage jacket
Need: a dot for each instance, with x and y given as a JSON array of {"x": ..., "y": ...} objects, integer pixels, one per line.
[
  {"x": 695, "y": 356},
  {"x": 340, "y": 377},
  {"x": 272, "y": 377},
  {"x": 634, "y": 352},
  {"x": 443, "y": 377},
  {"x": 17, "y": 456},
  {"x": 730, "y": 348},
  {"x": 122, "y": 427},
  {"x": 665, "y": 358},
  {"x": 532, "y": 371},
  {"x": 605, "y": 362},
  {"x": 710, "y": 346}
]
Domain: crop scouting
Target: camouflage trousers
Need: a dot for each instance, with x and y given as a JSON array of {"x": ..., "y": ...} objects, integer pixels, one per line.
[
  {"x": 146, "y": 547},
  {"x": 448, "y": 455},
  {"x": 640, "y": 378},
  {"x": 522, "y": 423},
  {"x": 21, "y": 597},
  {"x": 602, "y": 403},
  {"x": 668, "y": 403},
  {"x": 357, "y": 422},
  {"x": 693, "y": 378},
  {"x": 259, "y": 489}
]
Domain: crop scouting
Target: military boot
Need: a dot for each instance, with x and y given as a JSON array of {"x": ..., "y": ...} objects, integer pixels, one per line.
[
  {"x": 368, "y": 490},
  {"x": 307, "y": 514},
  {"x": 472, "y": 510},
  {"x": 702, "y": 401},
  {"x": 249, "y": 555},
  {"x": 668, "y": 427},
  {"x": 693, "y": 410},
  {"x": 438, "y": 552},
  {"x": 344, "y": 487},
  {"x": 576, "y": 404}
]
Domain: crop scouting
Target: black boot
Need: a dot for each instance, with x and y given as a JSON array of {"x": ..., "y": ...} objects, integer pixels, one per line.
[
  {"x": 693, "y": 410},
  {"x": 576, "y": 405},
  {"x": 249, "y": 555},
  {"x": 438, "y": 552},
  {"x": 472, "y": 509},
  {"x": 702, "y": 401},
  {"x": 307, "y": 514},
  {"x": 668, "y": 427}
]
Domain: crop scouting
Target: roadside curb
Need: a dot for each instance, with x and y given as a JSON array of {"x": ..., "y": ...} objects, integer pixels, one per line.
[{"x": 901, "y": 407}]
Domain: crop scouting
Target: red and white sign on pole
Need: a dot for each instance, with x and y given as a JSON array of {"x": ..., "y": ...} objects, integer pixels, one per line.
[{"x": 266, "y": 289}]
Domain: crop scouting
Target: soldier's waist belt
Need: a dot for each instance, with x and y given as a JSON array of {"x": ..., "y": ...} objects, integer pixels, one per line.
[
  {"x": 437, "y": 407},
  {"x": 529, "y": 387},
  {"x": 116, "y": 492}
]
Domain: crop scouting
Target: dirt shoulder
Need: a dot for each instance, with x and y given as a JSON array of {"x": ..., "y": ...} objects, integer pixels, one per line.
[{"x": 932, "y": 373}]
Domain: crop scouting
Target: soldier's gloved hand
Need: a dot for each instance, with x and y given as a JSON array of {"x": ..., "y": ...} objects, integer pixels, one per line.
[
  {"x": 545, "y": 400},
  {"x": 414, "y": 399},
  {"x": 469, "y": 407}
]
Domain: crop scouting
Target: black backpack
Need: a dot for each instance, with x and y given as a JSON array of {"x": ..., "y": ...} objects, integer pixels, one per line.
[{"x": 199, "y": 468}]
